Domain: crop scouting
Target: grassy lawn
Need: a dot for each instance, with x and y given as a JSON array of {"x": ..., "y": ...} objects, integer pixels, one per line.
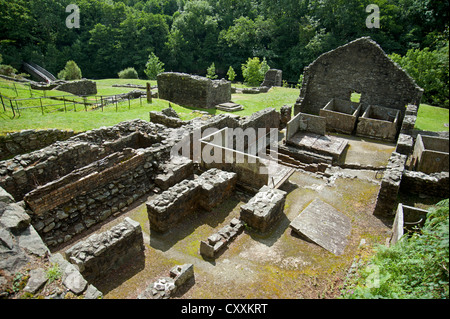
[
  {"x": 76, "y": 118},
  {"x": 432, "y": 118}
]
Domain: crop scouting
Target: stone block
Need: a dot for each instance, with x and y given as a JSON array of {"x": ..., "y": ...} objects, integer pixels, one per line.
[
  {"x": 273, "y": 77},
  {"x": 216, "y": 186},
  {"x": 264, "y": 209},
  {"x": 174, "y": 171},
  {"x": 105, "y": 251}
]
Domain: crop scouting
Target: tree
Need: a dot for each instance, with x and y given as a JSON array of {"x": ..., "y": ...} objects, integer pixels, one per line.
[
  {"x": 128, "y": 73},
  {"x": 70, "y": 72},
  {"x": 264, "y": 68},
  {"x": 211, "y": 72},
  {"x": 231, "y": 74},
  {"x": 153, "y": 67},
  {"x": 192, "y": 41},
  {"x": 253, "y": 71},
  {"x": 430, "y": 70}
]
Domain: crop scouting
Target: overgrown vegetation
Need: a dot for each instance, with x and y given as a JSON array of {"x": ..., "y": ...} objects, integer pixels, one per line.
[
  {"x": 189, "y": 35},
  {"x": 254, "y": 70},
  {"x": 415, "y": 267}
]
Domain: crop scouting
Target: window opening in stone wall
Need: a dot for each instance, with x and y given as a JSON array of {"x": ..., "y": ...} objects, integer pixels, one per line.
[{"x": 355, "y": 97}]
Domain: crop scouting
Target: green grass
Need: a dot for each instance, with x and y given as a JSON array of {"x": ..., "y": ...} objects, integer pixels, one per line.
[
  {"x": 429, "y": 118},
  {"x": 432, "y": 118}
]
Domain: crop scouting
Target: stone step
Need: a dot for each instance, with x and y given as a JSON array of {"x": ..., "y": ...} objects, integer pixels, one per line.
[{"x": 229, "y": 107}]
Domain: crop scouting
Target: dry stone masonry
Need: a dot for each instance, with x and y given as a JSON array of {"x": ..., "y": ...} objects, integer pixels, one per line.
[
  {"x": 217, "y": 242},
  {"x": 182, "y": 199},
  {"x": 166, "y": 287},
  {"x": 100, "y": 253},
  {"x": 81, "y": 87},
  {"x": 71, "y": 184},
  {"x": 390, "y": 185},
  {"x": 26, "y": 141},
  {"x": 193, "y": 90},
  {"x": 273, "y": 77}
]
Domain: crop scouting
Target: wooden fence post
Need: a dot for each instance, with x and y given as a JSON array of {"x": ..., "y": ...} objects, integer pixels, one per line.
[{"x": 149, "y": 93}]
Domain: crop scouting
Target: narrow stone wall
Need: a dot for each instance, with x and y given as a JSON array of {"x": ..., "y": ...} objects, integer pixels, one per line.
[
  {"x": 390, "y": 185},
  {"x": 100, "y": 253},
  {"x": 435, "y": 184},
  {"x": 26, "y": 141},
  {"x": 217, "y": 242}
]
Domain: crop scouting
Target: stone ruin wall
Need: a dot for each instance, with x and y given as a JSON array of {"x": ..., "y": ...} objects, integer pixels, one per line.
[
  {"x": 359, "y": 66},
  {"x": 102, "y": 252},
  {"x": 398, "y": 178},
  {"x": 205, "y": 192},
  {"x": 193, "y": 90},
  {"x": 273, "y": 77},
  {"x": 26, "y": 141}
]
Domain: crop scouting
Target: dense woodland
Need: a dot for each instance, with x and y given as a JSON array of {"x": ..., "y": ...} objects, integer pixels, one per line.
[{"x": 190, "y": 35}]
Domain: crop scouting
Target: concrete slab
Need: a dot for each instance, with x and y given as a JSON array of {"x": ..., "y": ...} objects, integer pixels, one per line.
[
  {"x": 324, "y": 225},
  {"x": 323, "y": 144}
]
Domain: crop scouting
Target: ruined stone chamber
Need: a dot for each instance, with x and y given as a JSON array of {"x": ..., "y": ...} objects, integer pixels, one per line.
[
  {"x": 103, "y": 252},
  {"x": 360, "y": 66},
  {"x": 205, "y": 192},
  {"x": 306, "y": 140},
  {"x": 341, "y": 116},
  {"x": 192, "y": 90},
  {"x": 72, "y": 185},
  {"x": 379, "y": 122},
  {"x": 430, "y": 155}
]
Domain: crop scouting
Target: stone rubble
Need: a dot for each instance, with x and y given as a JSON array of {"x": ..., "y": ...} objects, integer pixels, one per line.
[
  {"x": 166, "y": 287},
  {"x": 215, "y": 243}
]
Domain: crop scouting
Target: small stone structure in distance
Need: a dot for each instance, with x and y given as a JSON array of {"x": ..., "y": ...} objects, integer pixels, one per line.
[
  {"x": 273, "y": 77},
  {"x": 193, "y": 90}
]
